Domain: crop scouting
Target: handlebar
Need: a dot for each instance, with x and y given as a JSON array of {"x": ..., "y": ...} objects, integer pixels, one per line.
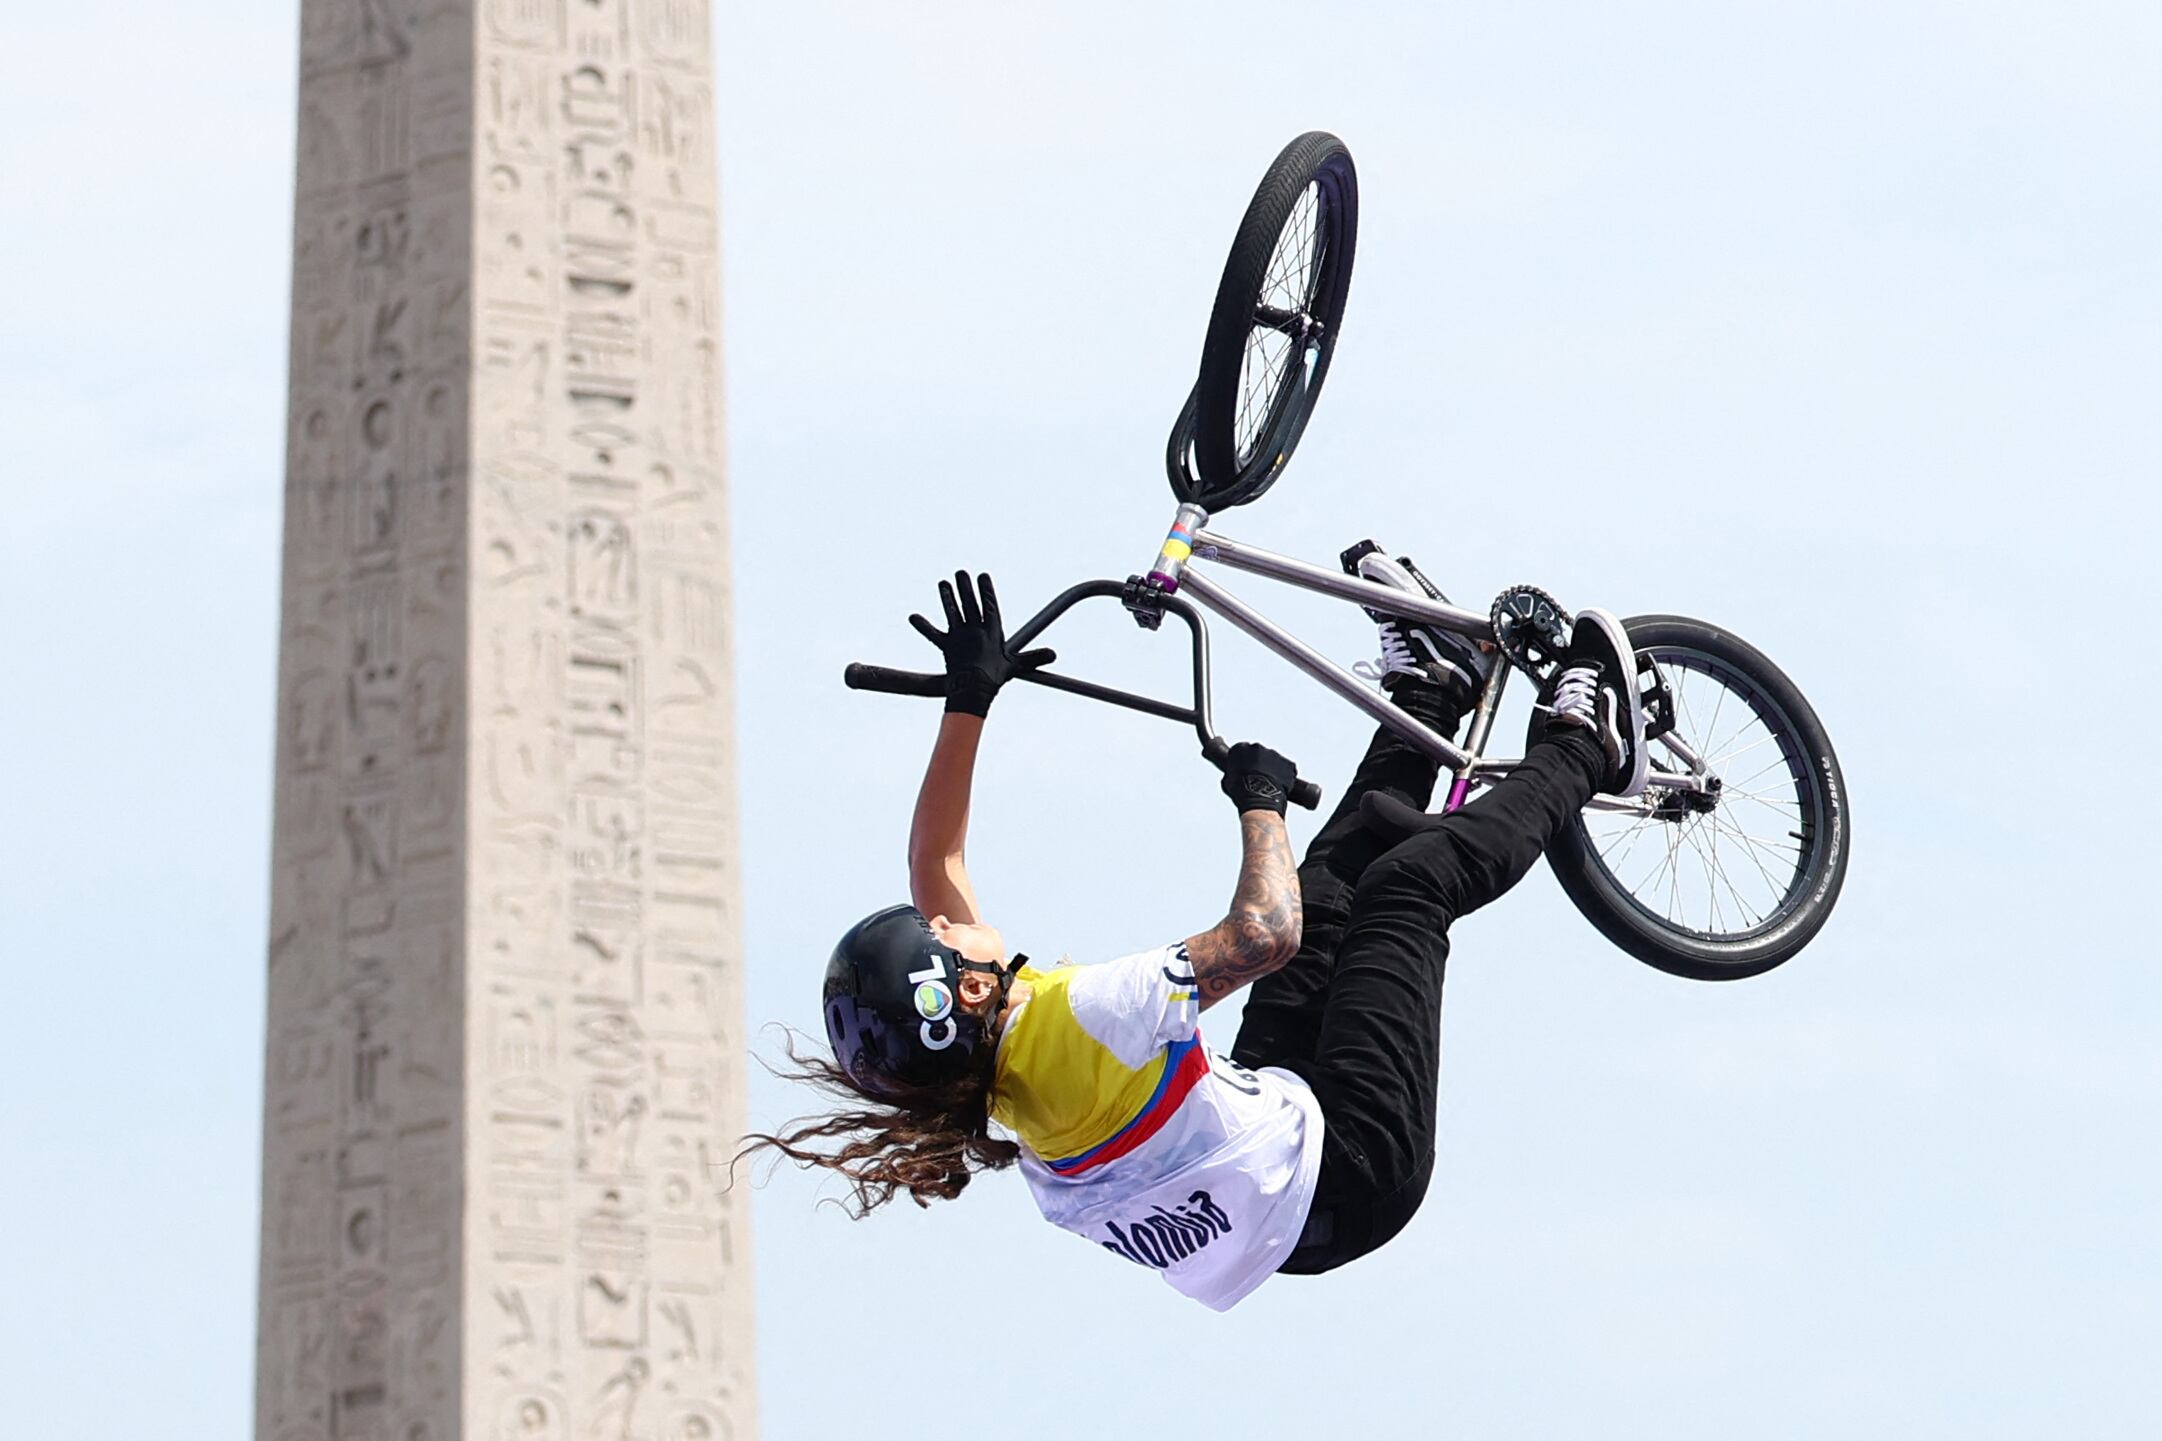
[
  {"x": 1214, "y": 749},
  {"x": 860, "y": 676}
]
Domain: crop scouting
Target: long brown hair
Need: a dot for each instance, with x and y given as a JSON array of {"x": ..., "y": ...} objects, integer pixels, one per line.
[{"x": 925, "y": 1140}]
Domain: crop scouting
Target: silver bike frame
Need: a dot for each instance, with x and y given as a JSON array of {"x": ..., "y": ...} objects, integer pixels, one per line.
[{"x": 1190, "y": 540}]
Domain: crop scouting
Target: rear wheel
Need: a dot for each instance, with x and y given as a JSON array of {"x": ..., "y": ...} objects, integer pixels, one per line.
[
  {"x": 1731, "y": 883},
  {"x": 1273, "y": 328}
]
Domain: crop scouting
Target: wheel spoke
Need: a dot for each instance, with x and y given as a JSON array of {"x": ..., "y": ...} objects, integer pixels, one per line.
[
  {"x": 1711, "y": 732},
  {"x": 1758, "y": 798},
  {"x": 1629, "y": 836},
  {"x": 1711, "y": 890},
  {"x": 1745, "y": 750},
  {"x": 1750, "y": 848},
  {"x": 1650, "y": 883},
  {"x": 1740, "y": 901},
  {"x": 1282, "y": 324},
  {"x": 1745, "y": 784},
  {"x": 1749, "y": 852},
  {"x": 1674, "y": 872},
  {"x": 1681, "y": 704}
]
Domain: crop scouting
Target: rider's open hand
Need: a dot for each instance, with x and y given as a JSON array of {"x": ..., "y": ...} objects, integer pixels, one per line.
[
  {"x": 978, "y": 660},
  {"x": 1258, "y": 779}
]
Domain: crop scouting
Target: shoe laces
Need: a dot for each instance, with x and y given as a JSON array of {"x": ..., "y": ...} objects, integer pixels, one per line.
[
  {"x": 1576, "y": 695},
  {"x": 1397, "y": 656}
]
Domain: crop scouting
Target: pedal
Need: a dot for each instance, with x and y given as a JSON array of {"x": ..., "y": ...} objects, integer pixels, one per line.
[
  {"x": 1658, "y": 697},
  {"x": 1531, "y": 628},
  {"x": 1353, "y": 555},
  {"x": 1350, "y": 559}
]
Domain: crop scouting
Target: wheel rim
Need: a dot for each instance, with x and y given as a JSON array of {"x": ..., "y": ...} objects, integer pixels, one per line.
[
  {"x": 1284, "y": 339},
  {"x": 1739, "y": 870}
]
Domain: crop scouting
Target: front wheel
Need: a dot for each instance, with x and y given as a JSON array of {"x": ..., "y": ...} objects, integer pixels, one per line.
[
  {"x": 1730, "y": 882},
  {"x": 1272, "y": 331}
]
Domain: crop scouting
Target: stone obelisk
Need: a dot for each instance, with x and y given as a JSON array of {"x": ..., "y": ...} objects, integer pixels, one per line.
[{"x": 504, "y": 1055}]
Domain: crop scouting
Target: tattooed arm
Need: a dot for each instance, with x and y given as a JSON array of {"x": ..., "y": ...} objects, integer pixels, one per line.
[{"x": 1261, "y": 931}]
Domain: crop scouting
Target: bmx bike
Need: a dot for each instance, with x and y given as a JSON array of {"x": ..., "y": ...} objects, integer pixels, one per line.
[{"x": 1730, "y": 860}]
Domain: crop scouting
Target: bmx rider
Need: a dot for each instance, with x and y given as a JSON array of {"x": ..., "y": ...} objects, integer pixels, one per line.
[{"x": 1311, "y": 1142}]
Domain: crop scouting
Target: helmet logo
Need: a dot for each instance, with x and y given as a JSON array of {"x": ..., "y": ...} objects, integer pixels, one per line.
[{"x": 934, "y": 1002}]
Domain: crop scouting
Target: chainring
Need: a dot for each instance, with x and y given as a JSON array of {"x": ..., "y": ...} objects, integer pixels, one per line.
[{"x": 1531, "y": 628}]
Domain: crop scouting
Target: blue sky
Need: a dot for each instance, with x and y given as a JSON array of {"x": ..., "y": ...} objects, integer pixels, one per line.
[{"x": 1839, "y": 324}]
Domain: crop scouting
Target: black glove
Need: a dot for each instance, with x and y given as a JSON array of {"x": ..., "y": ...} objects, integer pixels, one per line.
[
  {"x": 1258, "y": 779},
  {"x": 974, "y": 644}
]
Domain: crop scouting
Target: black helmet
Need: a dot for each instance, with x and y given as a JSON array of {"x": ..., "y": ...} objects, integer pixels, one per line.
[{"x": 892, "y": 1004}]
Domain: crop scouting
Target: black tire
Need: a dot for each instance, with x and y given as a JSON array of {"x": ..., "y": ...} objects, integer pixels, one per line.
[
  {"x": 1820, "y": 832},
  {"x": 1263, "y": 363}
]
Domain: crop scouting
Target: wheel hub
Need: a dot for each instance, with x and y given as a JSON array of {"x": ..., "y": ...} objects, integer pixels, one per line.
[{"x": 1676, "y": 806}]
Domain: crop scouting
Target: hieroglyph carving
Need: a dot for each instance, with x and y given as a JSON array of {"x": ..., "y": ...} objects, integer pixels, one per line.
[{"x": 504, "y": 1067}]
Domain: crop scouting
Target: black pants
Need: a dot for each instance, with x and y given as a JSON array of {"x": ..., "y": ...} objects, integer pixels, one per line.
[{"x": 1357, "y": 1012}]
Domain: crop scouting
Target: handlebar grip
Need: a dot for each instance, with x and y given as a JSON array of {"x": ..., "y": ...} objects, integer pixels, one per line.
[
  {"x": 859, "y": 676},
  {"x": 1304, "y": 793}
]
